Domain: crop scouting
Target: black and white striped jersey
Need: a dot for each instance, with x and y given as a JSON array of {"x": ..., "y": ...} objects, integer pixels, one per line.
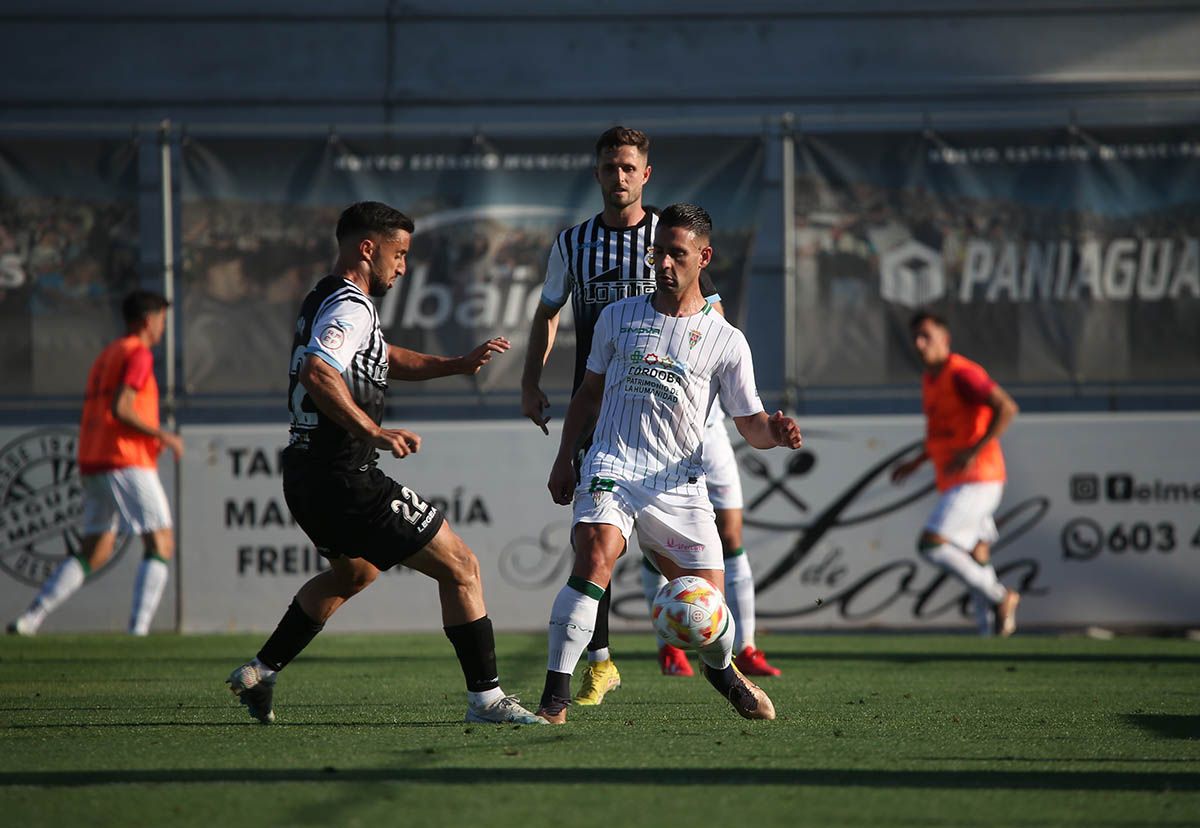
[
  {"x": 594, "y": 265},
  {"x": 661, "y": 376},
  {"x": 339, "y": 324}
]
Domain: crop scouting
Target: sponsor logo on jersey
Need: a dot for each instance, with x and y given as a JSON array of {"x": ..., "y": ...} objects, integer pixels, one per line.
[
  {"x": 610, "y": 287},
  {"x": 684, "y": 546},
  {"x": 641, "y": 330},
  {"x": 665, "y": 362}
]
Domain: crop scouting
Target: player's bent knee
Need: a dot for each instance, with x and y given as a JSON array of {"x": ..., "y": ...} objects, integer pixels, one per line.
[
  {"x": 592, "y": 563},
  {"x": 451, "y": 559},
  {"x": 160, "y": 544},
  {"x": 463, "y": 565},
  {"x": 361, "y": 579},
  {"x": 353, "y": 575}
]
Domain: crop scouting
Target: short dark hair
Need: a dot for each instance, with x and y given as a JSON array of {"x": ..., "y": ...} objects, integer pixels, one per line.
[
  {"x": 688, "y": 216},
  {"x": 620, "y": 136},
  {"x": 923, "y": 315},
  {"x": 367, "y": 217},
  {"x": 141, "y": 303}
]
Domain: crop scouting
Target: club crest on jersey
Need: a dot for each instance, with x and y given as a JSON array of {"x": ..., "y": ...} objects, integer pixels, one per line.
[
  {"x": 649, "y": 257},
  {"x": 693, "y": 338}
]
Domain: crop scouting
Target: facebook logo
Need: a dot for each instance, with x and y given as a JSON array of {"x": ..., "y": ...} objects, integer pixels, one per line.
[{"x": 1119, "y": 487}]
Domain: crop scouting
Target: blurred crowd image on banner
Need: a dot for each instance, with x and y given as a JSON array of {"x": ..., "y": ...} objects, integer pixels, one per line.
[
  {"x": 1064, "y": 258},
  {"x": 256, "y": 214},
  {"x": 69, "y": 250}
]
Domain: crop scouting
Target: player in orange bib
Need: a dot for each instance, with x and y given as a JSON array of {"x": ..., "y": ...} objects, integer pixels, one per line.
[
  {"x": 966, "y": 411},
  {"x": 119, "y": 443}
]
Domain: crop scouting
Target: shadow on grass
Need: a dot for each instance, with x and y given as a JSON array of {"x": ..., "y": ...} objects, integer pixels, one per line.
[
  {"x": 933, "y": 656},
  {"x": 242, "y": 722},
  {"x": 554, "y": 776},
  {"x": 1039, "y": 760},
  {"x": 1166, "y": 726},
  {"x": 223, "y": 660}
]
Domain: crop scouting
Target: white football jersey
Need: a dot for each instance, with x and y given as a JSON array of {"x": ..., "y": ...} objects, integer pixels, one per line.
[{"x": 661, "y": 376}]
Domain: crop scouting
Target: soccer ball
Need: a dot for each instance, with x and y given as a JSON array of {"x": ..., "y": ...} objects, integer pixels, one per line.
[{"x": 689, "y": 612}]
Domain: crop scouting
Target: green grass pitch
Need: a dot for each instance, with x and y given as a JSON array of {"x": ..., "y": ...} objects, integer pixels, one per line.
[{"x": 873, "y": 730}]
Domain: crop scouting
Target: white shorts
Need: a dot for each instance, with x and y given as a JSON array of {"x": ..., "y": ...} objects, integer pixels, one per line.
[
  {"x": 681, "y": 527},
  {"x": 124, "y": 500},
  {"x": 963, "y": 514},
  {"x": 721, "y": 468}
]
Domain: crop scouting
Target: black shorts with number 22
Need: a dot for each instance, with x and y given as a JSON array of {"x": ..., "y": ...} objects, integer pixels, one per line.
[{"x": 357, "y": 514}]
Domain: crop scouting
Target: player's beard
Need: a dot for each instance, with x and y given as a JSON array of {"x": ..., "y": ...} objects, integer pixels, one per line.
[
  {"x": 622, "y": 200},
  {"x": 377, "y": 283}
]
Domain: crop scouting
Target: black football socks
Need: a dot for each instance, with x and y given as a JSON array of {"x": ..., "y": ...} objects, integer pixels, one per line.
[
  {"x": 475, "y": 645},
  {"x": 293, "y": 634}
]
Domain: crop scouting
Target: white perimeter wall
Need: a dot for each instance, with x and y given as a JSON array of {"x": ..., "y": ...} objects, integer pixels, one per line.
[{"x": 1100, "y": 525}]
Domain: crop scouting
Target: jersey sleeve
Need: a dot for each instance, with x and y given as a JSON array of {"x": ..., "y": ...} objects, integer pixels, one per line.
[
  {"x": 708, "y": 289},
  {"x": 738, "y": 392},
  {"x": 973, "y": 383},
  {"x": 602, "y": 343},
  {"x": 339, "y": 330},
  {"x": 138, "y": 368},
  {"x": 559, "y": 281}
]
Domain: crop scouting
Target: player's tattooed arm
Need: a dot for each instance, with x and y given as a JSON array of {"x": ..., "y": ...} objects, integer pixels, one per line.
[
  {"x": 413, "y": 366},
  {"x": 765, "y": 432},
  {"x": 329, "y": 393}
]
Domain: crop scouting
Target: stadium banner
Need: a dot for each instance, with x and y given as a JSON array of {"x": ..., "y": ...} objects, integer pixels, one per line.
[
  {"x": 258, "y": 217},
  {"x": 41, "y": 506},
  {"x": 1056, "y": 257},
  {"x": 1098, "y": 526},
  {"x": 69, "y": 251}
]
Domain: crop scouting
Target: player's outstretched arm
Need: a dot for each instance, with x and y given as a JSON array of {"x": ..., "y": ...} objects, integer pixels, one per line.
[
  {"x": 329, "y": 393},
  {"x": 413, "y": 366},
  {"x": 581, "y": 416},
  {"x": 542, "y": 332},
  {"x": 765, "y": 432}
]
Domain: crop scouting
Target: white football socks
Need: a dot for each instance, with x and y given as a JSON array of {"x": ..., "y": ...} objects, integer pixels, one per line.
[
  {"x": 572, "y": 622},
  {"x": 64, "y": 583},
  {"x": 718, "y": 653},
  {"x": 739, "y": 595},
  {"x": 484, "y": 697},
  {"x": 147, "y": 592},
  {"x": 981, "y": 579}
]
